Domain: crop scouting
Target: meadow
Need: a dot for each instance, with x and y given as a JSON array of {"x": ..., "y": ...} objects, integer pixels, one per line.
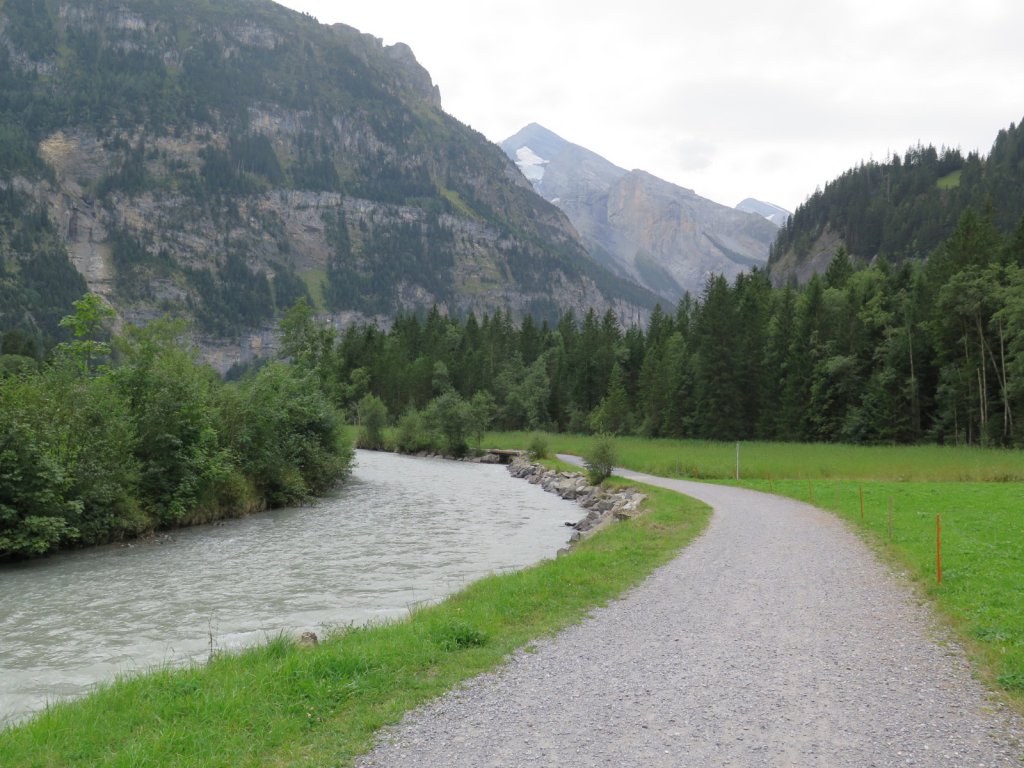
[
  {"x": 977, "y": 494},
  {"x": 795, "y": 461}
]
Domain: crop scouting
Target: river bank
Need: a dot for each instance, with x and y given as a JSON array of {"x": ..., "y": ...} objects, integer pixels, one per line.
[
  {"x": 287, "y": 705},
  {"x": 604, "y": 503},
  {"x": 402, "y": 532}
]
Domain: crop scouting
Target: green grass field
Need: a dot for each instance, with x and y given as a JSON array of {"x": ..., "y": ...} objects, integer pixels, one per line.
[
  {"x": 978, "y": 493},
  {"x": 717, "y": 461},
  {"x": 283, "y": 705},
  {"x": 950, "y": 181}
]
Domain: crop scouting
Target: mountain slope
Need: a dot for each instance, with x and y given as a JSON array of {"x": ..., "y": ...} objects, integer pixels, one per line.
[
  {"x": 223, "y": 159},
  {"x": 902, "y": 208},
  {"x": 661, "y": 235}
]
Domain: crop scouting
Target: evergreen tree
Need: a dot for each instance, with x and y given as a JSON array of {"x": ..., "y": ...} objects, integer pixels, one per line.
[
  {"x": 614, "y": 415},
  {"x": 717, "y": 388}
]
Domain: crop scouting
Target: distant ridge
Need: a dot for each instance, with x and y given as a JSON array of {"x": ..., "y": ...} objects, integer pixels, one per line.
[{"x": 665, "y": 237}]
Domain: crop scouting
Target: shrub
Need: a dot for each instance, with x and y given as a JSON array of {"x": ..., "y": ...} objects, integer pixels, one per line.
[
  {"x": 450, "y": 417},
  {"x": 411, "y": 434},
  {"x": 600, "y": 460},
  {"x": 288, "y": 436},
  {"x": 373, "y": 417},
  {"x": 538, "y": 448}
]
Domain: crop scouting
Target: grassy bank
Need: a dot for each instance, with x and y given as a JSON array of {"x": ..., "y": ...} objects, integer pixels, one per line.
[
  {"x": 978, "y": 493},
  {"x": 283, "y": 705}
]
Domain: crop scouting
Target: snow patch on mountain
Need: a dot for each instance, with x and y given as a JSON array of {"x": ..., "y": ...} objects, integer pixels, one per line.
[
  {"x": 774, "y": 213},
  {"x": 531, "y": 164}
]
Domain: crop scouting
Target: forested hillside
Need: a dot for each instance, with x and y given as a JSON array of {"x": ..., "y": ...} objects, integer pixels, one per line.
[
  {"x": 916, "y": 352},
  {"x": 902, "y": 208},
  {"x": 220, "y": 159}
]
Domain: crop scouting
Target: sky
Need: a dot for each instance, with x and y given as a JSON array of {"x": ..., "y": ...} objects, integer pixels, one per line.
[{"x": 730, "y": 98}]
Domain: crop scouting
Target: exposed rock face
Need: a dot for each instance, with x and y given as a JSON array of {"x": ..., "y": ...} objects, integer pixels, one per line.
[
  {"x": 665, "y": 237},
  {"x": 790, "y": 268},
  {"x": 245, "y": 154}
]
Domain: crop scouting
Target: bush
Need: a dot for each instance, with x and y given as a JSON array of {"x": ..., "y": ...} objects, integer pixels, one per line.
[
  {"x": 538, "y": 448},
  {"x": 372, "y": 415},
  {"x": 600, "y": 461},
  {"x": 411, "y": 434},
  {"x": 451, "y": 418},
  {"x": 288, "y": 436},
  {"x": 481, "y": 413}
]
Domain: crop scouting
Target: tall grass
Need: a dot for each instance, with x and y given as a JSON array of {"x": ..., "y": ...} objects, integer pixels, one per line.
[{"x": 284, "y": 705}]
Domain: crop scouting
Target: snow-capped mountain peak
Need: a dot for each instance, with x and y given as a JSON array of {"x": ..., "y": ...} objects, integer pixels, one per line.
[{"x": 774, "y": 213}]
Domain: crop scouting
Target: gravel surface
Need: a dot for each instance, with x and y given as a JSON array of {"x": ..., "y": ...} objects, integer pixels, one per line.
[{"x": 775, "y": 639}]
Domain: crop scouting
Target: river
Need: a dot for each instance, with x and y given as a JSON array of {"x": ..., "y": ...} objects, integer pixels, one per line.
[{"x": 403, "y": 531}]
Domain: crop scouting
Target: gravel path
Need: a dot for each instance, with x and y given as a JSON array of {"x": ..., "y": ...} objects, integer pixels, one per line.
[{"x": 775, "y": 639}]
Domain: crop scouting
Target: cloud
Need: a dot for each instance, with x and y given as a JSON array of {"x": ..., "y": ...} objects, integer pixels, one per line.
[
  {"x": 693, "y": 154},
  {"x": 737, "y": 98}
]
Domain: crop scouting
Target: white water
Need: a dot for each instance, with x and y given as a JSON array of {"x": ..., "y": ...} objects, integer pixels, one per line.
[{"x": 402, "y": 531}]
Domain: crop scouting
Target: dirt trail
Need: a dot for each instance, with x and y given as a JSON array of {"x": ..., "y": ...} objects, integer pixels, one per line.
[{"x": 775, "y": 639}]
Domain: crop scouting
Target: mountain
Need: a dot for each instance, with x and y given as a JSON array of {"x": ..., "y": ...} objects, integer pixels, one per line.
[
  {"x": 665, "y": 237},
  {"x": 221, "y": 159},
  {"x": 777, "y": 215},
  {"x": 903, "y": 208}
]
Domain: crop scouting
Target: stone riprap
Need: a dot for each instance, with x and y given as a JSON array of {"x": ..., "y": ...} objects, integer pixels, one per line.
[{"x": 603, "y": 505}]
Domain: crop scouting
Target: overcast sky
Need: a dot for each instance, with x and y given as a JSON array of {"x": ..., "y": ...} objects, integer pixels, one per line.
[{"x": 731, "y": 98}]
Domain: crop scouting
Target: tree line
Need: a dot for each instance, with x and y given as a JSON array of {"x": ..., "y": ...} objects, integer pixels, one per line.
[
  {"x": 111, "y": 440},
  {"x": 866, "y": 353}
]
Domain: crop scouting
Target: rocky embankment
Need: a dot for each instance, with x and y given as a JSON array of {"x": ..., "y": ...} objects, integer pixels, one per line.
[{"x": 603, "y": 505}]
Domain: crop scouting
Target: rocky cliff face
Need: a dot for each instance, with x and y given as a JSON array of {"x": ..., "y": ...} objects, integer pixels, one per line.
[
  {"x": 222, "y": 160},
  {"x": 663, "y": 236}
]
